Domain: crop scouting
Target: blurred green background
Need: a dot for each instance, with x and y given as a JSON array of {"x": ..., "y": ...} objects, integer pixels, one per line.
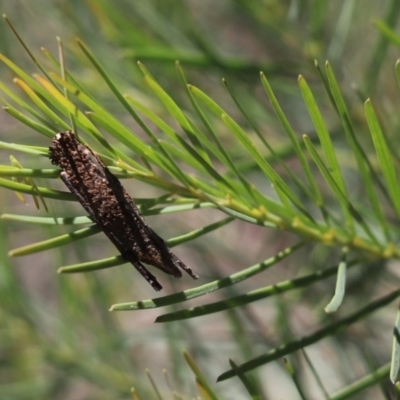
[{"x": 57, "y": 338}]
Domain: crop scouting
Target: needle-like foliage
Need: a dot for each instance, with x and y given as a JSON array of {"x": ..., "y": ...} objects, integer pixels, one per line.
[{"x": 296, "y": 203}]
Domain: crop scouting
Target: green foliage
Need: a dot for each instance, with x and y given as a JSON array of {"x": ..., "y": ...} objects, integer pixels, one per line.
[{"x": 298, "y": 176}]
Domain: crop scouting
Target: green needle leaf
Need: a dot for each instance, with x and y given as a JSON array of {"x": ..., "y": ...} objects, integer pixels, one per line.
[
  {"x": 254, "y": 295},
  {"x": 44, "y": 192},
  {"x": 55, "y": 242},
  {"x": 313, "y": 338},
  {"x": 385, "y": 158},
  {"x": 395, "y": 362},
  {"x": 92, "y": 265},
  {"x": 208, "y": 287},
  {"x": 340, "y": 288}
]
